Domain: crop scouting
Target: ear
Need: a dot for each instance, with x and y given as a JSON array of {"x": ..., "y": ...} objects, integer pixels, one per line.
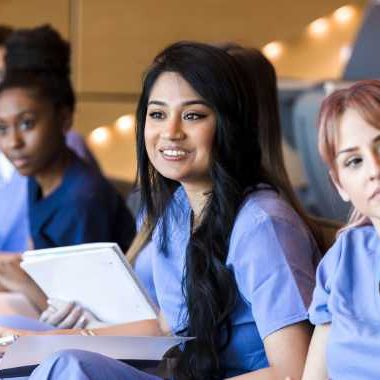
[{"x": 339, "y": 188}]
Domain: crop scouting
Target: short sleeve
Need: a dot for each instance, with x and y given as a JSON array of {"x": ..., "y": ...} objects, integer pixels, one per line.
[
  {"x": 319, "y": 312},
  {"x": 273, "y": 266}
]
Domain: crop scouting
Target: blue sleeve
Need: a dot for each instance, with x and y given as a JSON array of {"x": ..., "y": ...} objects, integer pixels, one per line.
[
  {"x": 319, "y": 312},
  {"x": 273, "y": 266}
]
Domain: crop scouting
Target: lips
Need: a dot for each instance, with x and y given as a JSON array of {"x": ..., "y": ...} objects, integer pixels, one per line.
[
  {"x": 174, "y": 153},
  {"x": 375, "y": 194},
  {"x": 19, "y": 162}
]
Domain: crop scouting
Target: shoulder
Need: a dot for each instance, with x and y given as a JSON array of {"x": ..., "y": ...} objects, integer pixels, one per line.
[
  {"x": 265, "y": 210},
  {"x": 85, "y": 185},
  {"x": 352, "y": 245}
]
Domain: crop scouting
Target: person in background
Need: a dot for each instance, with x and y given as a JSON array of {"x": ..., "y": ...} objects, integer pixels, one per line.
[
  {"x": 69, "y": 202},
  {"x": 14, "y": 226},
  {"x": 232, "y": 262},
  {"x": 345, "y": 306},
  {"x": 261, "y": 79}
]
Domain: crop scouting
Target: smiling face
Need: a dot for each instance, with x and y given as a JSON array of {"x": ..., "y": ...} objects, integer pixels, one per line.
[
  {"x": 179, "y": 132},
  {"x": 30, "y": 135},
  {"x": 358, "y": 164}
]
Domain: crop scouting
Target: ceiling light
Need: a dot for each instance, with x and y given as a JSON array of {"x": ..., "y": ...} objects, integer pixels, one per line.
[
  {"x": 273, "y": 50},
  {"x": 100, "y": 136}
]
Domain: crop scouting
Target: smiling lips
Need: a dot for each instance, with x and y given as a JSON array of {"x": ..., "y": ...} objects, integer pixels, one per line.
[{"x": 174, "y": 154}]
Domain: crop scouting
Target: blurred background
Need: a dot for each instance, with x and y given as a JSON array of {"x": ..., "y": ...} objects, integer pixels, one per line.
[{"x": 310, "y": 43}]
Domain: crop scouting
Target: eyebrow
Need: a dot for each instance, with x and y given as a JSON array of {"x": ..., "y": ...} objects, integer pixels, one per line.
[
  {"x": 187, "y": 103},
  {"x": 354, "y": 148}
]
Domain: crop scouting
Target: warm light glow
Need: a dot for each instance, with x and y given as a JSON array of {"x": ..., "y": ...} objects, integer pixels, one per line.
[
  {"x": 343, "y": 15},
  {"x": 125, "y": 124},
  {"x": 319, "y": 27},
  {"x": 273, "y": 50},
  {"x": 100, "y": 136},
  {"x": 345, "y": 53}
]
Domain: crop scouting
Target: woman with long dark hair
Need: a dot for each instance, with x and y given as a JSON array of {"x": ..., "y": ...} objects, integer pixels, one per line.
[{"x": 232, "y": 263}]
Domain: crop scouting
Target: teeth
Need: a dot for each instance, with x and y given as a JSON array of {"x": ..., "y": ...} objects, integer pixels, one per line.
[{"x": 174, "y": 153}]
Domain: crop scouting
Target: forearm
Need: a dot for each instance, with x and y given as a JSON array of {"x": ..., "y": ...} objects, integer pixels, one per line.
[
  {"x": 149, "y": 327},
  {"x": 35, "y": 295},
  {"x": 261, "y": 374}
]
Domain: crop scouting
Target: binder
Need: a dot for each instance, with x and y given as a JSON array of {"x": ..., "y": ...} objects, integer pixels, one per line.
[{"x": 97, "y": 276}]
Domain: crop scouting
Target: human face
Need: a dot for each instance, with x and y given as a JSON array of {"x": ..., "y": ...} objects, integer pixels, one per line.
[
  {"x": 358, "y": 164},
  {"x": 179, "y": 132},
  {"x": 29, "y": 133}
]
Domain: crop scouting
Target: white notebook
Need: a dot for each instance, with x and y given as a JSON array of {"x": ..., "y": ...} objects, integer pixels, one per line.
[{"x": 95, "y": 275}]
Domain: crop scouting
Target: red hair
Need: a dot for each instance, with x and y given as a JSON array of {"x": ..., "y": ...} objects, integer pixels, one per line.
[{"x": 364, "y": 98}]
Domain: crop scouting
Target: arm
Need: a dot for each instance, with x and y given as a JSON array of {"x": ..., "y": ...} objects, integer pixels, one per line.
[
  {"x": 316, "y": 368},
  {"x": 150, "y": 327},
  {"x": 286, "y": 350},
  {"x": 13, "y": 278}
]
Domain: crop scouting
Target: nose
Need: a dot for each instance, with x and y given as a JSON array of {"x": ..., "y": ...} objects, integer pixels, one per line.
[
  {"x": 374, "y": 169},
  {"x": 13, "y": 139},
  {"x": 173, "y": 129}
]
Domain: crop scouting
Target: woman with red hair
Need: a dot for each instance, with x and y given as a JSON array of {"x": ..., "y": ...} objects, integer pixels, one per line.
[{"x": 346, "y": 300}]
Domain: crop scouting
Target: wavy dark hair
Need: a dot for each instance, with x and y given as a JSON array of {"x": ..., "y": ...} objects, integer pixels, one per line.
[
  {"x": 261, "y": 82},
  {"x": 208, "y": 286},
  {"x": 38, "y": 59}
]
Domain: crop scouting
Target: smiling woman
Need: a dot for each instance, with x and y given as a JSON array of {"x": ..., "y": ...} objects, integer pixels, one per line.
[
  {"x": 179, "y": 132},
  {"x": 232, "y": 264}
]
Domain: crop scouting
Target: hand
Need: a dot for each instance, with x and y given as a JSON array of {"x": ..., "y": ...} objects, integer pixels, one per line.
[
  {"x": 12, "y": 276},
  {"x": 67, "y": 315}
]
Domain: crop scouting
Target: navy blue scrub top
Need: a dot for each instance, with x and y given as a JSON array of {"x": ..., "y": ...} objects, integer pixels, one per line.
[{"x": 85, "y": 208}]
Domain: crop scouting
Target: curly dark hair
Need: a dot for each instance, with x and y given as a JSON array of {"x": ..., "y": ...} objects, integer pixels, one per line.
[{"x": 39, "y": 59}]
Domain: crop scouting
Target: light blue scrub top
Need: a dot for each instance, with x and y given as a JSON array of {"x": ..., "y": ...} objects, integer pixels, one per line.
[
  {"x": 271, "y": 255},
  {"x": 14, "y": 226},
  {"x": 347, "y": 295}
]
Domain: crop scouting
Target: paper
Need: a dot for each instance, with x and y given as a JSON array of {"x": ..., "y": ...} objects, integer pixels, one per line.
[
  {"x": 32, "y": 350},
  {"x": 96, "y": 276}
]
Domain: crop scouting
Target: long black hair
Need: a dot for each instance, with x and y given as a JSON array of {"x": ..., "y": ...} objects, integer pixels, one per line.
[{"x": 208, "y": 286}]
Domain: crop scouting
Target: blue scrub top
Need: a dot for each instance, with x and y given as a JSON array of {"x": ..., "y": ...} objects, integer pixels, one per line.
[
  {"x": 347, "y": 295},
  {"x": 14, "y": 227},
  {"x": 85, "y": 208},
  {"x": 272, "y": 256}
]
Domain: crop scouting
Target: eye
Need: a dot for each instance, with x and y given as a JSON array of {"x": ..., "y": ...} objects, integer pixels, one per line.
[
  {"x": 353, "y": 162},
  {"x": 27, "y": 124},
  {"x": 194, "y": 116},
  {"x": 3, "y": 129},
  {"x": 159, "y": 115}
]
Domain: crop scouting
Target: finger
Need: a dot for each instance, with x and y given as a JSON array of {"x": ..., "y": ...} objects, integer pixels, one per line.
[
  {"x": 45, "y": 315},
  {"x": 69, "y": 321},
  {"x": 57, "y": 303},
  {"x": 57, "y": 317},
  {"x": 82, "y": 322}
]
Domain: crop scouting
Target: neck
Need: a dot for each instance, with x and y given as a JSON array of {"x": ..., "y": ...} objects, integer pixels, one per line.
[
  {"x": 198, "y": 196},
  {"x": 51, "y": 176},
  {"x": 376, "y": 224}
]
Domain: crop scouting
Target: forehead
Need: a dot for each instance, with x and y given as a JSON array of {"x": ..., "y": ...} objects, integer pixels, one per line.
[
  {"x": 354, "y": 130},
  {"x": 172, "y": 88},
  {"x": 16, "y": 100}
]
